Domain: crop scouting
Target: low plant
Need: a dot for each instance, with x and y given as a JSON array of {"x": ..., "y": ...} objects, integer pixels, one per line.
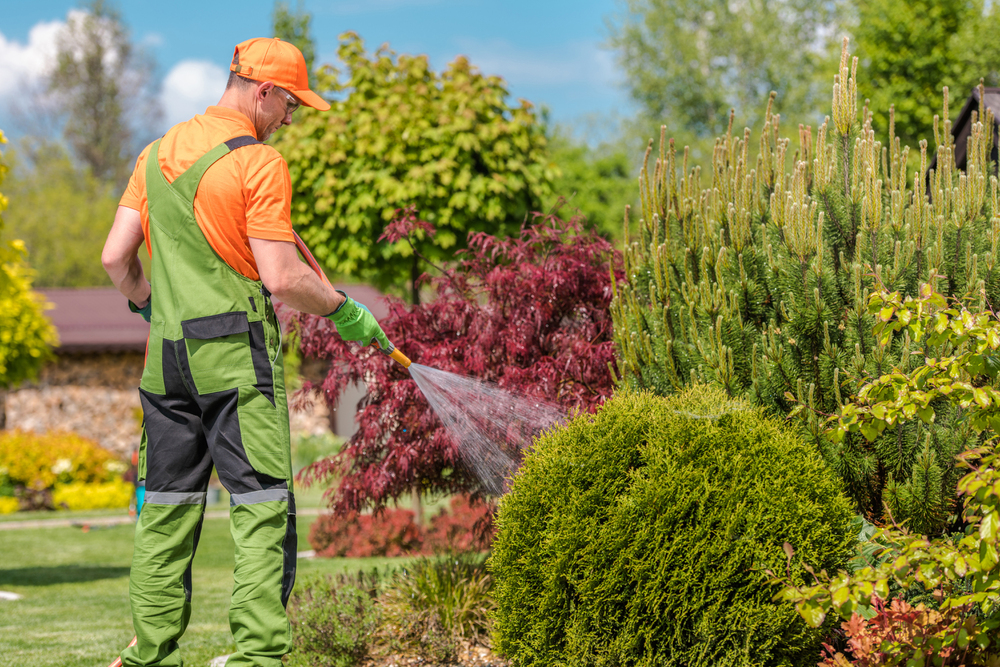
[
  {"x": 961, "y": 361},
  {"x": 32, "y": 465},
  {"x": 9, "y": 505},
  {"x": 333, "y": 620},
  {"x": 435, "y": 602},
  {"x": 638, "y": 536},
  {"x": 40, "y": 461},
  {"x": 93, "y": 496}
]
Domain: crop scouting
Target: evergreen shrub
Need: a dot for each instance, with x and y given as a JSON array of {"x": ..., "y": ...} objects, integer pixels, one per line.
[
  {"x": 753, "y": 274},
  {"x": 639, "y": 535}
]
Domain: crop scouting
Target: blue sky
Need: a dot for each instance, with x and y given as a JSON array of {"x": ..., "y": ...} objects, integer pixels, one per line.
[{"x": 549, "y": 51}]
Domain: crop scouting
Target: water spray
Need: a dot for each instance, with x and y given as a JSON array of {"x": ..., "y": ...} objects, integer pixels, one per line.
[{"x": 482, "y": 419}]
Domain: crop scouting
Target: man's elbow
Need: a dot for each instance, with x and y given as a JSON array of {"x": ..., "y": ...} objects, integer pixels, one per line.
[
  {"x": 279, "y": 284},
  {"x": 113, "y": 263}
]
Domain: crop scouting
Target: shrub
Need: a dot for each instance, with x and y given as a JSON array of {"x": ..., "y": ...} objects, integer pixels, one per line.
[
  {"x": 638, "y": 536},
  {"x": 93, "y": 495},
  {"x": 333, "y": 619},
  {"x": 9, "y": 505},
  {"x": 529, "y": 313},
  {"x": 436, "y": 601},
  {"x": 961, "y": 354},
  {"x": 391, "y": 532},
  {"x": 465, "y": 526},
  {"x": 869, "y": 641},
  {"x": 40, "y": 461},
  {"x": 757, "y": 280}
]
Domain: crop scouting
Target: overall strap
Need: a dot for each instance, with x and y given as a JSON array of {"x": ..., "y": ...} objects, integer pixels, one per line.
[{"x": 187, "y": 183}]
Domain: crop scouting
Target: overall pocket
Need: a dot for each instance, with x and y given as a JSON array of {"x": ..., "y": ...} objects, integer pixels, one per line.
[
  {"x": 264, "y": 432},
  {"x": 218, "y": 350}
]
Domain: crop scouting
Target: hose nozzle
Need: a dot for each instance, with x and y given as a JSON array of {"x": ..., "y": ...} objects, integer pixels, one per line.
[{"x": 394, "y": 353}]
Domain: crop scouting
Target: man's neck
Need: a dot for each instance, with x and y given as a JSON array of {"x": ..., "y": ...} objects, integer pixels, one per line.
[{"x": 232, "y": 99}]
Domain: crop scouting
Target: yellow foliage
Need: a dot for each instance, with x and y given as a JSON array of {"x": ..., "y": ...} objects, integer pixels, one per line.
[
  {"x": 40, "y": 461},
  {"x": 83, "y": 496},
  {"x": 8, "y": 505}
]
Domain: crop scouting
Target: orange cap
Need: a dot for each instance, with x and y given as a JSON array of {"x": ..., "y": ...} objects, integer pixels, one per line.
[{"x": 270, "y": 59}]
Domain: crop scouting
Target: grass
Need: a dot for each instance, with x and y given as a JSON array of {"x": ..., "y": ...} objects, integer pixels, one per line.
[{"x": 75, "y": 610}]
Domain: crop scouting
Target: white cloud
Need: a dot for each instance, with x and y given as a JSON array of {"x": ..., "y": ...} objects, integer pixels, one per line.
[
  {"x": 25, "y": 64},
  {"x": 189, "y": 88}
]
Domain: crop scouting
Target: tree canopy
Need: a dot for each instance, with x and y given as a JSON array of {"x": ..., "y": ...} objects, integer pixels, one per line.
[
  {"x": 26, "y": 335},
  {"x": 909, "y": 51},
  {"x": 398, "y": 134},
  {"x": 102, "y": 88},
  {"x": 688, "y": 63}
]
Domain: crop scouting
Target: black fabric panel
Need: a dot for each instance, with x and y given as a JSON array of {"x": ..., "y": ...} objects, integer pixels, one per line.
[
  {"x": 240, "y": 142},
  {"x": 177, "y": 455},
  {"x": 183, "y": 367},
  {"x": 222, "y": 425},
  {"x": 290, "y": 549},
  {"x": 261, "y": 361},
  {"x": 216, "y": 326},
  {"x": 194, "y": 547}
]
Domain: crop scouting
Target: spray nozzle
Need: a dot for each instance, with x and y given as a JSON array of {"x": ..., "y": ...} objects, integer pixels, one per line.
[{"x": 393, "y": 352}]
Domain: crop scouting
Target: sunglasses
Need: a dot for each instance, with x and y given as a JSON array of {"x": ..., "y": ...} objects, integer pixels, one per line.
[{"x": 292, "y": 104}]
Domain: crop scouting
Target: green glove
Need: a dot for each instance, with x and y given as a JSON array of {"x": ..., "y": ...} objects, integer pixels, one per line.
[
  {"x": 356, "y": 323},
  {"x": 145, "y": 311}
]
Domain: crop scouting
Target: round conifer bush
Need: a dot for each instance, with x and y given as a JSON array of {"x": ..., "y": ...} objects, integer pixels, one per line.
[{"x": 639, "y": 535}]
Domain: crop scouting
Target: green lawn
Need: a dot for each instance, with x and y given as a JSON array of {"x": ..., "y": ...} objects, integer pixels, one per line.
[{"x": 75, "y": 611}]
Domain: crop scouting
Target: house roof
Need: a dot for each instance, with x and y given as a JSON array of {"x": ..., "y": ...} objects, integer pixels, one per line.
[{"x": 99, "y": 320}]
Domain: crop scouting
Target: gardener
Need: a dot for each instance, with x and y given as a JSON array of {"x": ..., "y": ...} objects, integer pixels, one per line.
[{"x": 212, "y": 204}]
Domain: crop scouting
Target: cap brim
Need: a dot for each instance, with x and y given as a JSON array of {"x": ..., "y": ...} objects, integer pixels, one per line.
[{"x": 311, "y": 99}]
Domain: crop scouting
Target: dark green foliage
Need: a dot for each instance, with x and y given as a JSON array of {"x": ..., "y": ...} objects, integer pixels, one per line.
[
  {"x": 62, "y": 213},
  {"x": 639, "y": 536},
  {"x": 757, "y": 281},
  {"x": 910, "y": 50},
  {"x": 333, "y": 619},
  {"x": 595, "y": 182}
]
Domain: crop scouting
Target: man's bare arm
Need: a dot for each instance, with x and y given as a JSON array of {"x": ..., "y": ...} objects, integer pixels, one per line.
[
  {"x": 291, "y": 280},
  {"x": 120, "y": 257}
]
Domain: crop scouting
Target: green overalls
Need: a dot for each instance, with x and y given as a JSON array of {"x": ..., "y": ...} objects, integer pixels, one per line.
[{"x": 212, "y": 392}]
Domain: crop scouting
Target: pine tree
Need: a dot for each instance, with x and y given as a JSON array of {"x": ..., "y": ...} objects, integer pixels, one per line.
[{"x": 759, "y": 281}]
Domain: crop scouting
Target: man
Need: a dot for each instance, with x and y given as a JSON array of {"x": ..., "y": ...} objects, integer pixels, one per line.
[{"x": 212, "y": 204}]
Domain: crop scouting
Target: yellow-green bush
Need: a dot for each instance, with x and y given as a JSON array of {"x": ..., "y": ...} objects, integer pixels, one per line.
[
  {"x": 639, "y": 535},
  {"x": 93, "y": 496},
  {"x": 8, "y": 505},
  {"x": 41, "y": 461}
]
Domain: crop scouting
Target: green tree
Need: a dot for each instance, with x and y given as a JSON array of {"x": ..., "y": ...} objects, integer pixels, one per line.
[
  {"x": 293, "y": 27},
  {"x": 102, "y": 85},
  {"x": 26, "y": 335},
  {"x": 401, "y": 134},
  {"x": 594, "y": 182},
  {"x": 910, "y": 50},
  {"x": 62, "y": 213},
  {"x": 758, "y": 281},
  {"x": 689, "y": 62}
]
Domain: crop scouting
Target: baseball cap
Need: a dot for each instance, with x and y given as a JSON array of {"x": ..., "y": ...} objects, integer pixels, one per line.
[{"x": 270, "y": 59}]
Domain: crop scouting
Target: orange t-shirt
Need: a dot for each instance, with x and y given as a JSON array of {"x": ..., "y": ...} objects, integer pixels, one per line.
[{"x": 245, "y": 194}]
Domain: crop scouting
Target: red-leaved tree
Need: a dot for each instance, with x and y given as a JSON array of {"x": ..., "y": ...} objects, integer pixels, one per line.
[{"x": 529, "y": 313}]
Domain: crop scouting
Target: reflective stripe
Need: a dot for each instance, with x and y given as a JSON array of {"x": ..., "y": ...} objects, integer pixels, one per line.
[
  {"x": 254, "y": 497},
  {"x": 163, "y": 498}
]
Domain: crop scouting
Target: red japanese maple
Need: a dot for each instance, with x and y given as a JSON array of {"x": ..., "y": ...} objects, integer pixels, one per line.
[{"x": 529, "y": 313}]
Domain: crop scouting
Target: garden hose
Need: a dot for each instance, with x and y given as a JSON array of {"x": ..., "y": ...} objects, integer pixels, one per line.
[{"x": 393, "y": 352}]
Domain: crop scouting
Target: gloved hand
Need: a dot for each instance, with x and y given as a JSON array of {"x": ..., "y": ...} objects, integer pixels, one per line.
[
  {"x": 145, "y": 311},
  {"x": 356, "y": 323}
]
